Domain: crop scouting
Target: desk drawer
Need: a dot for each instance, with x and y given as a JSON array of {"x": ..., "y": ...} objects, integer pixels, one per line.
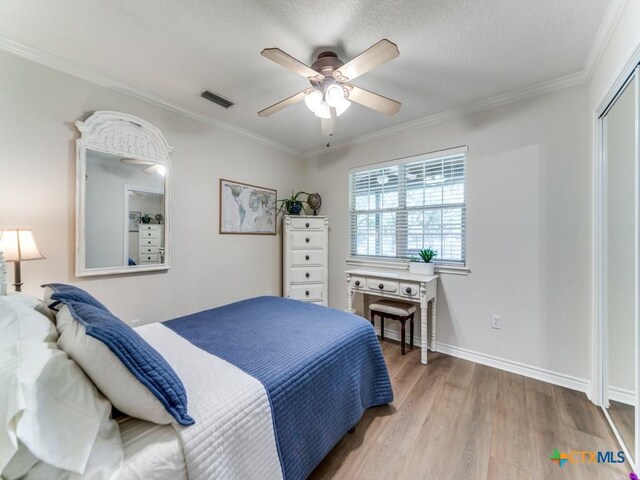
[
  {"x": 381, "y": 285},
  {"x": 147, "y": 250},
  {"x": 307, "y": 223},
  {"x": 306, "y": 257},
  {"x": 307, "y": 240},
  {"x": 306, "y": 275},
  {"x": 306, "y": 292},
  {"x": 409, "y": 290},
  {"x": 358, "y": 283}
]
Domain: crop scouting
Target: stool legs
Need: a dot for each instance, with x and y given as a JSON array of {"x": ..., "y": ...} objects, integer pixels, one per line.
[{"x": 403, "y": 321}]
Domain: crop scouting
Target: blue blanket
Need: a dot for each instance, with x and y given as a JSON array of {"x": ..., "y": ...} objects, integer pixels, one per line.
[{"x": 321, "y": 368}]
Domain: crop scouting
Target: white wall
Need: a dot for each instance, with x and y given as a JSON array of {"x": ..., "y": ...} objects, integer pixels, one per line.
[
  {"x": 528, "y": 240},
  {"x": 37, "y": 190}
]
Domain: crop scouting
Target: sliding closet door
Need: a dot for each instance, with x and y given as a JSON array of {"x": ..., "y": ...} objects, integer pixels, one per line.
[{"x": 620, "y": 257}]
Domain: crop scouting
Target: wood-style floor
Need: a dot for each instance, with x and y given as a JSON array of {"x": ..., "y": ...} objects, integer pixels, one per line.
[
  {"x": 454, "y": 419},
  {"x": 623, "y": 417}
]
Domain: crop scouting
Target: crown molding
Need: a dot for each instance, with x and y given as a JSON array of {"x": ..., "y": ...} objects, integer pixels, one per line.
[
  {"x": 543, "y": 88},
  {"x": 83, "y": 73},
  {"x": 603, "y": 36}
]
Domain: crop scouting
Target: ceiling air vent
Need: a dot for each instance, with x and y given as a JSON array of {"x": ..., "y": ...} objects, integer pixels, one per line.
[{"x": 212, "y": 97}]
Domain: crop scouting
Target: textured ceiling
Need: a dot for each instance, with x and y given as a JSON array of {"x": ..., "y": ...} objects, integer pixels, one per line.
[{"x": 452, "y": 53}]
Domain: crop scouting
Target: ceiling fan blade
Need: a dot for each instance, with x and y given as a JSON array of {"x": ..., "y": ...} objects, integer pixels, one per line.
[
  {"x": 376, "y": 55},
  {"x": 293, "y": 99},
  {"x": 287, "y": 61},
  {"x": 372, "y": 100}
]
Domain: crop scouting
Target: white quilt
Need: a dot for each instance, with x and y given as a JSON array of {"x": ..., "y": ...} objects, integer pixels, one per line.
[{"x": 233, "y": 436}]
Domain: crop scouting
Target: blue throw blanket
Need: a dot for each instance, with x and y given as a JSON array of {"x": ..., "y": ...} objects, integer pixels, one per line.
[{"x": 321, "y": 368}]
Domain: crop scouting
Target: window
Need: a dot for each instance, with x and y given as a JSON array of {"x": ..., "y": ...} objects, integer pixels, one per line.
[{"x": 400, "y": 207}]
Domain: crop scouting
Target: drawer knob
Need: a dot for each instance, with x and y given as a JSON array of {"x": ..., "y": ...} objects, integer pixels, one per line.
[
  {"x": 307, "y": 275},
  {"x": 357, "y": 283},
  {"x": 148, "y": 258},
  {"x": 381, "y": 286},
  {"x": 306, "y": 257},
  {"x": 306, "y": 239},
  {"x": 149, "y": 243},
  {"x": 306, "y": 293},
  {"x": 306, "y": 224},
  {"x": 408, "y": 290}
]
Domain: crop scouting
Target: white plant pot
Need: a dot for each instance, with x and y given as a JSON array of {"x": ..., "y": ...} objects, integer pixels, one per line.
[{"x": 421, "y": 268}]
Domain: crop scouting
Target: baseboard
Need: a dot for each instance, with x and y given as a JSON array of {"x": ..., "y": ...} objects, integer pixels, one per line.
[
  {"x": 622, "y": 395},
  {"x": 548, "y": 376}
]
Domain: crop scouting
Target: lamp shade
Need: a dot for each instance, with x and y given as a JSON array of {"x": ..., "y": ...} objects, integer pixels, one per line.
[{"x": 19, "y": 245}]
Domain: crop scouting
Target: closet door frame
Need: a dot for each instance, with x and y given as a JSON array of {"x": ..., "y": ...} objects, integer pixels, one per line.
[{"x": 600, "y": 348}]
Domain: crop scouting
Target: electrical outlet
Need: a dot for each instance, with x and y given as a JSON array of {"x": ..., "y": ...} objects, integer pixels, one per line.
[
  {"x": 496, "y": 322},
  {"x": 135, "y": 323}
]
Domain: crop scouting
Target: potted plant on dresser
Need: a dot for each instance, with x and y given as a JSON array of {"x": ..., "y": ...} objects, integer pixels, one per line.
[
  {"x": 423, "y": 265},
  {"x": 292, "y": 205}
]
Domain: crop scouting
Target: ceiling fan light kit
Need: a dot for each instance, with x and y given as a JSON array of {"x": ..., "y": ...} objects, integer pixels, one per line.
[{"x": 330, "y": 94}]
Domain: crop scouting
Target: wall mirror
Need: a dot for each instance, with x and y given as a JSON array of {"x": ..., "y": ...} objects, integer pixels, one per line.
[
  {"x": 122, "y": 196},
  {"x": 620, "y": 268}
]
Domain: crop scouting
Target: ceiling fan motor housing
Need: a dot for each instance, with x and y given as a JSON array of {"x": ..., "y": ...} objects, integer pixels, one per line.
[{"x": 327, "y": 63}]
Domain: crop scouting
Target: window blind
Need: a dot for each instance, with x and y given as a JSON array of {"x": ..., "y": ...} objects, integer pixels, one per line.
[{"x": 398, "y": 209}]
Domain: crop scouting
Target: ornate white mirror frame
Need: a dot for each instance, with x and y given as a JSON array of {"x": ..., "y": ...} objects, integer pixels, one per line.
[{"x": 126, "y": 136}]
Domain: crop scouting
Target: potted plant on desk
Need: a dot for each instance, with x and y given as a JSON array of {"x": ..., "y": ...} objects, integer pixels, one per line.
[{"x": 423, "y": 265}]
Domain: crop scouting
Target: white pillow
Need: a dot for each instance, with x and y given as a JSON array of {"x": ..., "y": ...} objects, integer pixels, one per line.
[
  {"x": 47, "y": 403},
  {"x": 108, "y": 373},
  {"x": 31, "y": 310}
]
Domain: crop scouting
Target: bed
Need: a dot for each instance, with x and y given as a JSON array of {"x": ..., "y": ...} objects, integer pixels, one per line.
[{"x": 272, "y": 384}]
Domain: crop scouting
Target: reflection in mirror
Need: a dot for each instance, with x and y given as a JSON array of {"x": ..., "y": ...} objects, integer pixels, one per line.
[
  {"x": 145, "y": 235},
  {"x": 121, "y": 196},
  {"x": 619, "y": 156},
  {"x": 123, "y": 183}
]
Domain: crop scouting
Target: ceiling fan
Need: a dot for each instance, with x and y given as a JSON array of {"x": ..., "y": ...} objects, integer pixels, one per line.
[{"x": 331, "y": 92}]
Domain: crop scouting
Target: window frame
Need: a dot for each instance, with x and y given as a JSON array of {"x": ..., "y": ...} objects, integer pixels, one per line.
[{"x": 398, "y": 262}]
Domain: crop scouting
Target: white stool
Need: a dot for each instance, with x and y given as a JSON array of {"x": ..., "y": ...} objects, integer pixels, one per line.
[{"x": 396, "y": 311}]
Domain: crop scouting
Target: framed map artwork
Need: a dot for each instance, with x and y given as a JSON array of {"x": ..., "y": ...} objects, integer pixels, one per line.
[{"x": 247, "y": 209}]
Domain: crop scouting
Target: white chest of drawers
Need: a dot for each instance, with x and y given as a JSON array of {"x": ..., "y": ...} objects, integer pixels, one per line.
[
  {"x": 305, "y": 258},
  {"x": 150, "y": 244}
]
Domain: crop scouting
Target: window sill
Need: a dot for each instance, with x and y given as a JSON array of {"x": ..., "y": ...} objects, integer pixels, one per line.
[{"x": 400, "y": 265}]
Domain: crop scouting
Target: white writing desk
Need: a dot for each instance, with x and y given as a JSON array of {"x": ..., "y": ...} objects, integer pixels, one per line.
[{"x": 400, "y": 285}]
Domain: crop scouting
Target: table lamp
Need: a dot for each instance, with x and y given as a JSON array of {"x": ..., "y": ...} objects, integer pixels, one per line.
[{"x": 18, "y": 245}]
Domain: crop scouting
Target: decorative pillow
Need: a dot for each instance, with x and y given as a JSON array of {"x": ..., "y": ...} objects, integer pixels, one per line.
[
  {"x": 51, "y": 416},
  {"x": 62, "y": 291},
  {"x": 131, "y": 373}
]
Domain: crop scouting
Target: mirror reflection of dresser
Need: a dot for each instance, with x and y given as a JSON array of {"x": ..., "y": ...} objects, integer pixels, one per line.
[
  {"x": 122, "y": 196},
  {"x": 150, "y": 250}
]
